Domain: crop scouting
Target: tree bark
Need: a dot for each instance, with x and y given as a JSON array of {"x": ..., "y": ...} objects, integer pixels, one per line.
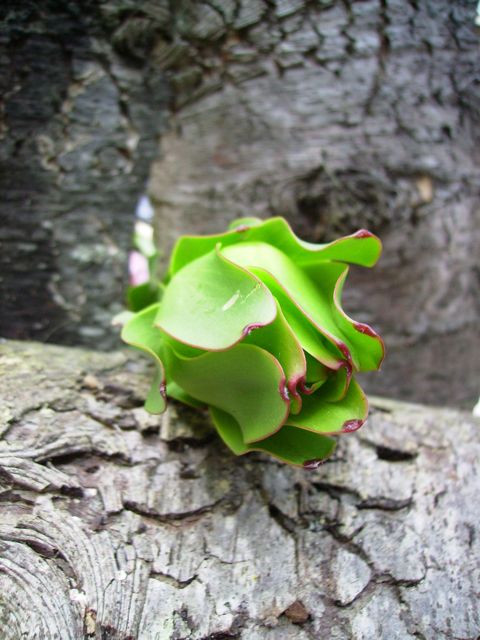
[
  {"x": 116, "y": 524},
  {"x": 342, "y": 115},
  {"x": 80, "y": 116},
  {"x": 336, "y": 114}
]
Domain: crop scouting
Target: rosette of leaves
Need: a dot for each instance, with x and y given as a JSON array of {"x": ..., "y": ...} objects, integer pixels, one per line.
[{"x": 249, "y": 324}]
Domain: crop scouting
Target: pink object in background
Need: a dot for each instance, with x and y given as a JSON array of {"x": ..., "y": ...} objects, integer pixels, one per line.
[{"x": 137, "y": 268}]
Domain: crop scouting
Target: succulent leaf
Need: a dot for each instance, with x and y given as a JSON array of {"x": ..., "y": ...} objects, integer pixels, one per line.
[
  {"x": 331, "y": 417},
  {"x": 212, "y": 292},
  {"x": 142, "y": 295},
  {"x": 245, "y": 381},
  {"x": 140, "y": 332},
  {"x": 365, "y": 345},
  {"x": 362, "y": 247},
  {"x": 250, "y": 325},
  {"x": 278, "y": 339},
  {"x": 295, "y": 446},
  {"x": 307, "y": 331},
  {"x": 176, "y": 392},
  {"x": 314, "y": 302}
]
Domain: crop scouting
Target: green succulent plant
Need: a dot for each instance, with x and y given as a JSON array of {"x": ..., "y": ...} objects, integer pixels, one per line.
[{"x": 250, "y": 325}]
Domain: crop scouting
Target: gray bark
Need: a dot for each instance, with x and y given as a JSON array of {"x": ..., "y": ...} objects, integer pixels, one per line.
[
  {"x": 336, "y": 114},
  {"x": 80, "y": 116},
  {"x": 116, "y": 524},
  {"x": 342, "y": 115}
]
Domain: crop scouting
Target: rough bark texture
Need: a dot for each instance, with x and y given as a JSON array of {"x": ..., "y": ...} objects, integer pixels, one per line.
[
  {"x": 336, "y": 114},
  {"x": 116, "y": 524},
  {"x": 80, "y": 114},
  {"x": 341, "y": 115}
]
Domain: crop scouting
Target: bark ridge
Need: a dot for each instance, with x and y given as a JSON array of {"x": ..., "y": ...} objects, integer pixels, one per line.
[{"x": 116, "y": 524}]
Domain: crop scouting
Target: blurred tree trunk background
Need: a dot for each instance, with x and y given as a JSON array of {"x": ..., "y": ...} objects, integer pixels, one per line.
[{"x": 336, "y": 114}]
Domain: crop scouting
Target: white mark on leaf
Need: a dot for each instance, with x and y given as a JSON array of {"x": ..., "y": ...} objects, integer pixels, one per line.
[{"x": 232, "y": 301}]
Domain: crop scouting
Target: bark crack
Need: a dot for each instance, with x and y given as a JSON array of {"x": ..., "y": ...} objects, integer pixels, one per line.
[{"x": 240, "y": 539}]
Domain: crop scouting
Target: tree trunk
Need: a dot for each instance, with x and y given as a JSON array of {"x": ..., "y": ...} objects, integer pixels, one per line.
[
  {"x": 336, "y": 114},
  {"x": 116, "y": 524},
  {"x": 80, "y": 116},
  {"x": 342, "y": 115}
]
